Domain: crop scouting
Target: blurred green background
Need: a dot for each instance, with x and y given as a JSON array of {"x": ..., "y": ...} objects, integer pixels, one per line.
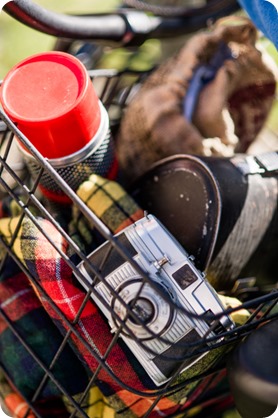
[{"x": 18, "y": 42}]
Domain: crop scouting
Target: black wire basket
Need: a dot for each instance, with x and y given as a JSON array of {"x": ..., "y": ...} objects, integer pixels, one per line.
[{"x": 87, "y": 370}]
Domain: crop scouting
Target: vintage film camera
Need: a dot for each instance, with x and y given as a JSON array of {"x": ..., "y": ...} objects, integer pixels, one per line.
[{"x": 151, "y": 315}]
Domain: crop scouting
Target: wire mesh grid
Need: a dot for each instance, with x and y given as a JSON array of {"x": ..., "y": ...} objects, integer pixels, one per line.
[{"x": 102, "y": 356}]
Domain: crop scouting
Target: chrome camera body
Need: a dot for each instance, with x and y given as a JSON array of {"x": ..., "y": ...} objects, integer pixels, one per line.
[{"x": 152, "y": 315}]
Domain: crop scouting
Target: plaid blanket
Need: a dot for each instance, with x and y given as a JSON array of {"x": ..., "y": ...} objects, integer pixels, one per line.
[
  {"x": 95, "y": 405},
  {"x": 13, "y": 403},
  {"x": 111, "y": 204},
  {"x": 24, "y": 311}
]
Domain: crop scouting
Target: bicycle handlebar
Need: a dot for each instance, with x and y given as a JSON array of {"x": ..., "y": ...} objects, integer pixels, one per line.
[{"x": 126, "y": 26}]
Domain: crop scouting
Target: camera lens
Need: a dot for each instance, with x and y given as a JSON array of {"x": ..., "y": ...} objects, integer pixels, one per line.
[
  {"x": 145, "y": 312},
  {"x": 143, "y": 309}
]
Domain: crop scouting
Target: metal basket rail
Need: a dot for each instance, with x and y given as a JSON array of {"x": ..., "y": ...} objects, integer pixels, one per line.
[{"x": 114, "y": 89}]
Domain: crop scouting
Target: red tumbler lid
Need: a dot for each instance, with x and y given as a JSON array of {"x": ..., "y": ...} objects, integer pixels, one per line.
[{"x": 51, "y": 98}]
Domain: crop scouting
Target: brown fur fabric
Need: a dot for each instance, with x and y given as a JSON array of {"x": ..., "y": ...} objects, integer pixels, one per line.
[{"x": 230, "y": 111}]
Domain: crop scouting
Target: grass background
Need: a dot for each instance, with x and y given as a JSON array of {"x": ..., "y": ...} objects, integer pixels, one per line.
[{"x": 18, "y": 42}]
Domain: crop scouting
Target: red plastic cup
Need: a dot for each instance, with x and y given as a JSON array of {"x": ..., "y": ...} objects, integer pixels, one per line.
[{"x": 53, "y": 102}]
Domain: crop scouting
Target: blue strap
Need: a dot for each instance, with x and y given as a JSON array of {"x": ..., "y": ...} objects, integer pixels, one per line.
[{"x": 203, "y": 75}]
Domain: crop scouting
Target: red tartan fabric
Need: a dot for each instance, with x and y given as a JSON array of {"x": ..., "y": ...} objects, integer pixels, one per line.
[
  {"x": 17, "y": 299},
  {"x": 22, "y": 314}
]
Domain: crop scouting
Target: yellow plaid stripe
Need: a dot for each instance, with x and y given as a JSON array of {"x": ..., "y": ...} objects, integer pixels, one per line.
[
  {"x": 98, "y": 407},
  {"x": 100, "y": 194},
  {"x": 10, "y": 231},
  {"x": 94, "y": 405},
  {"x": 110, "y": 202}
]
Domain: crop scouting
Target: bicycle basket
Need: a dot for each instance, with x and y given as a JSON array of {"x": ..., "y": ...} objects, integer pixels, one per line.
[{"x": 57, "y": 349}]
